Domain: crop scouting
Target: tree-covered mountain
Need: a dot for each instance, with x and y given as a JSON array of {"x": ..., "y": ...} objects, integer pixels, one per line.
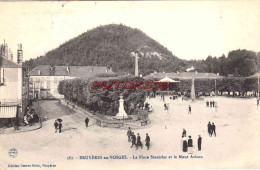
[{"x": 114, "y": 45}]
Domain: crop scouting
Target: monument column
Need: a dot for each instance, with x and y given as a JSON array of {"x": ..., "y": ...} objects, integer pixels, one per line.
[{"x": 121, "y": 111}]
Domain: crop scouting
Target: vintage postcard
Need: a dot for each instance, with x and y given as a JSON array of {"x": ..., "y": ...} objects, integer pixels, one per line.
[{"x": 129, "y": 85}]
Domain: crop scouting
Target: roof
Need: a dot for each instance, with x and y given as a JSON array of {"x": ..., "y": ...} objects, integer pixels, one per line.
[
  {"x": 87, "y": 71},
  {"x": 9, "y": 64},
  {"x": 72, "y": 71},
  {"x": 182, "y": 75},
  {"x": 167, "y": 79}
]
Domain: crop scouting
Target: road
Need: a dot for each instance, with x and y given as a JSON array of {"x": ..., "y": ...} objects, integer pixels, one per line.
[{"x": 235, "y": 146}]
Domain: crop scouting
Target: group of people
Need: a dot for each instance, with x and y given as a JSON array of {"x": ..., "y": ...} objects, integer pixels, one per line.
[
  {"x": 30, "y": 116},
  {"x": 187, "y": 143},
  {"x": 136, "y": 141},
  {"x": 57, "y": 126},
  {"x": 211, "y": 129},
  {"x": 211, "y": 103}
]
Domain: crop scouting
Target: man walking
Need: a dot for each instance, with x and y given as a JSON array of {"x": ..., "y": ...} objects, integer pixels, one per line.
[
  {"x": 183, "y": 133},
  {"x": 86, "y": 121},
  {"x": 147, "y": 141},
  {"x": 190, "y": 145},
  {"x": 199, "y": 143},
  {"x": 56, "y": 126},
  {"x": 189, "y": 110},
  {"x": 213, "y": 128},
  {"x": 129, "y": 134},
  {"x": 133, "y": 139},
  {"x": 209, "y": 129},
  {"x": 60, "y": 126}
]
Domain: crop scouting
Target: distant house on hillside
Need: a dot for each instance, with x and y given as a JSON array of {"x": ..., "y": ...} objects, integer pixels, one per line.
[{"x": 44, "y": 79}]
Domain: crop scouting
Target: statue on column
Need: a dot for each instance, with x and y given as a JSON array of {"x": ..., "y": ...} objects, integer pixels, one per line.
[{"x": 121, "y": 111}]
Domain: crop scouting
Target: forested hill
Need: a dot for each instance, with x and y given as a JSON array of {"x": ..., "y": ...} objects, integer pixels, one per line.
[{"x": 112, "y": 46}]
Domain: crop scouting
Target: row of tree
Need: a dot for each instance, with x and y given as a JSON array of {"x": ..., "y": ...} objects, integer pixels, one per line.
[
  {"x": 105, "y": 101},
  {"x": 239, "y": 63},
  {"x": 228, "y": 84}
]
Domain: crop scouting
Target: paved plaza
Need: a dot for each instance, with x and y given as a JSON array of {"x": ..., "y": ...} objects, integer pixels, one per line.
[{"x": 236, "y": 144}]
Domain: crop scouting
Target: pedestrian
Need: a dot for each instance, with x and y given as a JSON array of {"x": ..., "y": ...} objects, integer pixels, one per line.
[
  {"x": 190, "y": 145},
  {"x": 210, "y": 103},
  {"x": 56, "y": 126},
  {"x": 139, "y": 143},
  {"x": 209, "y": 129},
  {"x": 147, "y": 141},
  {"x": 213, "y": 129},
  {"x": 207, "y": 103},
  {"x": 165, "y": 107},
  {"x": 133, "y": 137},
  {"x": 129, "y": 134},
  {"x": 183, "y": 133},
  {"x": 189, "y": 110},
  {"x": 199, "y": 143},
  {"x": 184, "y": 144},
  {"x": 60, "y": 126},
  {"x": 257, "y": 102},
  {"x": 213, "y": 103},
  {"x": 86, "y": 121}
]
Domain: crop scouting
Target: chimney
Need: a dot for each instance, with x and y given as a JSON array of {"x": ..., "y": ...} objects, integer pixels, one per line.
[
  {"x": 39, "y": 72},
  {"x": 136, "y": 63},
  {"x": 20, "y": 54}
]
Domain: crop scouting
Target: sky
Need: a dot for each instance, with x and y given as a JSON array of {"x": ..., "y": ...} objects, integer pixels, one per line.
[{"x": 189, "y": 29}]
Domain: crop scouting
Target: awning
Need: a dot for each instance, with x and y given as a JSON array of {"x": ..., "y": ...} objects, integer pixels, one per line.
[
  {"x": 167, "y": 79},
  {"x": 8, "y": 111}
]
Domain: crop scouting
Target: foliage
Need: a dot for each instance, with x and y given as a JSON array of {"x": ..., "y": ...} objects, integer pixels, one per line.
[{"x": 106, "y": 101}]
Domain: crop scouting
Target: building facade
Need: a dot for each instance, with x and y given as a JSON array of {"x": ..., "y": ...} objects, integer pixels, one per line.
[
  {"x": 44, "y": 79},
  {"x": 12, "y": 83}
]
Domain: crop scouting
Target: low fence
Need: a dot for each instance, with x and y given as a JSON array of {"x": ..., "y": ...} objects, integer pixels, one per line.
[{"x": 134, "y": 121}]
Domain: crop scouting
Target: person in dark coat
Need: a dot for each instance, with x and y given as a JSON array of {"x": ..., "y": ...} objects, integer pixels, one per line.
[
  {"x": 147, "y": 141},
  {"x": 133, "y": 138},
  {"x": 129, "y": 134},
  {"x": 86, "y": 121},
  {"x": 189, "y": 110},
  {"x": 60, "y": 126},
  {"x": 213, "y": 129},
  {"x": 139, "y": 143},
  {"x": 183, "y": 133},
  {"x": 209, "y": 129},
  {"x": 56, "y": 126},
  {"x": 190, "y": 145},
  {"x": 184, "y": 144},
  {"x": 213, "y": 103},
  {"x": 199, "y": 143},
  {"x": 210, "y": 103},
  {"x": 207, "y": 103}
]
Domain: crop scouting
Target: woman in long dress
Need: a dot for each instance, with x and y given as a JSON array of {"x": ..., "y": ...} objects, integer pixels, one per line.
[
  {"x": 190, "y": 145},
  {"x": 184, "y": 143},
  {"x": 139, "y": 143}
]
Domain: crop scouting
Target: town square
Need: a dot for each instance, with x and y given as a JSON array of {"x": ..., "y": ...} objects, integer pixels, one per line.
[{"x": 97, "y": 85}]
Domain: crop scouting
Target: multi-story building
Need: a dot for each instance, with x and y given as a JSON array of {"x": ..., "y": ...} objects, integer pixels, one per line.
[
  {"x": 44, "y": 79},
  {"x": 11, "y": 85}
]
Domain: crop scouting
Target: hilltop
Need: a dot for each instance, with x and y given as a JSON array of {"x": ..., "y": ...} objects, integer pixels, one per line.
[{"x": 112, "y": 46}]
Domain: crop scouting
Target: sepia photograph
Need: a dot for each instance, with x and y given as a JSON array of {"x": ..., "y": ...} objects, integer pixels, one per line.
[{"x": 129, "y": 85}]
